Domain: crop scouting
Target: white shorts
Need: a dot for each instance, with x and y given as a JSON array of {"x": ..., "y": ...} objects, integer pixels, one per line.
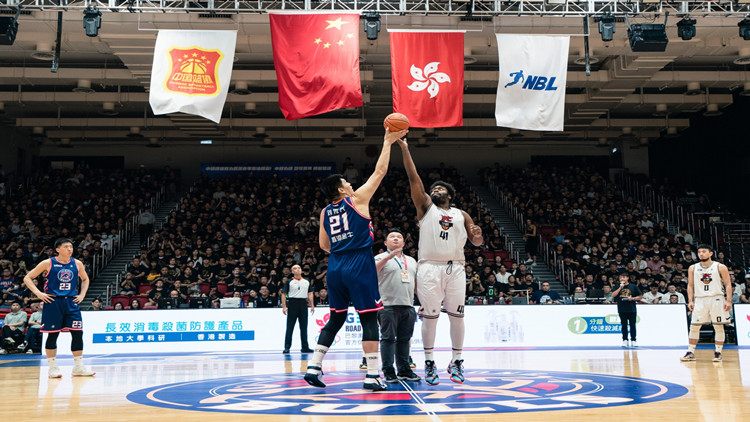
[
  {"x": 441, "y": 284},
  {"x": 709, "y": 310}
]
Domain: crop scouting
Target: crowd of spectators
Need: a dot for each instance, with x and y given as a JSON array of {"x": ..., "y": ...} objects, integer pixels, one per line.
[
  {"x": 91, "y": 207},
  {"x": 598, "y": 233},
  {"x": 238, "y": 237}
]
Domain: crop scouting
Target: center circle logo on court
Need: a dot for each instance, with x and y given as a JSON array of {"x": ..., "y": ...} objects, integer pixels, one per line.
[{"x": 485, "y": 391}]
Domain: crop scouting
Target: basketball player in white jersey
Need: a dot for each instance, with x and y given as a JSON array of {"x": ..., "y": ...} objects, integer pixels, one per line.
[
  {"x": 441, "y": 278},
  {"x": 710, "y": 298}
]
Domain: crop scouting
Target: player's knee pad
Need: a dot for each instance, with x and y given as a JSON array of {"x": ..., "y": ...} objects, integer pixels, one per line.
[
  {"x": 328, "y": 333},
  {"x": 369, "y": 321},
  {"x": 720, "y": 335},
  {"x": 51, "y": 341},
  {"x": 76, "y": 342},
  {"x": 695, "y": 332}
]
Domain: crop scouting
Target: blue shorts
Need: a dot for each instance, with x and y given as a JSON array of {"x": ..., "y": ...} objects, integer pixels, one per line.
[
  {"x": 61, "y": 315},
  {"x": 352, "y": 276}
]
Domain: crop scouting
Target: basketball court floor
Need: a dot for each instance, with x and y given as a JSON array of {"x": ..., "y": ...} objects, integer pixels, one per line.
[{"x": 611, "y": 384}]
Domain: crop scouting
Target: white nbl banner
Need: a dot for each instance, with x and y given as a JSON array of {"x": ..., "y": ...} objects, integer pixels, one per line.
[
  {"x": 531, "y": 89},
  {"x": 191, "y": 72}
]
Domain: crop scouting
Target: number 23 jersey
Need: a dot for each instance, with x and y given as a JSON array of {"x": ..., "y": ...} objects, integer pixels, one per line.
[
  {"x": 62, "y": 279},
  {"x": 442, "y": 235},
  {"x": 346, "y": 227}
]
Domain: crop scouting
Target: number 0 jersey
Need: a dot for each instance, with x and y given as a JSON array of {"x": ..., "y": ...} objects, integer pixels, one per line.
[
  {"x": 62, "y": 279},
  {"x": 442, "y": 235},
  {"x": 346, "y": 227},
  {"x": 707, "y": 281}
]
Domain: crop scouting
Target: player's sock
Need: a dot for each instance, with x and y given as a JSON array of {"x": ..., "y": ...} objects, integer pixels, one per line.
[
  {"x": 429, "y": 354},
  {"x": 52, "y": 361},
  {"x": 78, "y": 360},
  {"x": 719, "y": 347},
  {"x": 429, "y": 326},
  {"x": 691, "y": 348},
  {"x": 457, "y": 335},
  {"x": 457, "y": 355},
  {"x": 317, "y": 359},
  {"x": 372, "y": 366}
]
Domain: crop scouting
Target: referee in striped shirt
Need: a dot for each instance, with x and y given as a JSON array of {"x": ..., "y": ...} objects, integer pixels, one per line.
[{"x": 295, "y": 294}]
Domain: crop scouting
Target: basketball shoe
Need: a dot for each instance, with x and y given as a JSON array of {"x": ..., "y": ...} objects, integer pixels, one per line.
[
  {"x": 430, "y": 373},
  {"x": 456, "y": 369}
]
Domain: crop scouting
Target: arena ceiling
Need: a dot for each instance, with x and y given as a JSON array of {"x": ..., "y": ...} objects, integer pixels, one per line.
[{"x": 99, "y": 93}]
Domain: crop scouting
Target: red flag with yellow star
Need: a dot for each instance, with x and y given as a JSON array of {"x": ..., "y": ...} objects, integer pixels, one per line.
[{"x": 316, "y": 57}]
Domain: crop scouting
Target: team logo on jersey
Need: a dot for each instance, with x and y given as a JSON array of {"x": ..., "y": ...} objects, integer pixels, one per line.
[
  {"x": 486, "y": 391},
  {"x": 706, "y": 278},
  {"x": 65, "y": 275},
  {"x": 446, "y": 222}
]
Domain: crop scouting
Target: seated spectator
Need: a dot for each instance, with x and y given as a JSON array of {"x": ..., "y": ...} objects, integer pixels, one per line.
[
  {"x": 135, "y": 304},
  {"x": 128, "y": 286},
  {"x": 13, "y": 327},
  {"x": 652, "y": 295},
  {"x": 607, "y": 293},
  {"x": 96, "y": 305},
  {"x": 672, "y": 291},
  {"x": 321, "y": 298},
  {"x": 502, "y": 275},
  {"x": 265, "y": 300},
  {"x": 745, "y": 296},
  {"x": 684, "y": 236},
  {"x": 157, "y": 293},
  {"x": 673, "y": 299},
  {"x": 32, "y": 340},
  {"x": 118, "y": 306},
  {"x": 545, "y": 296}
]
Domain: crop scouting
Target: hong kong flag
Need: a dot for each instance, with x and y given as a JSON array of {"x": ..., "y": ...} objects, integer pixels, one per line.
[
  {"x": 428, "y": 77},
  {"x": 316, "y": 57}
]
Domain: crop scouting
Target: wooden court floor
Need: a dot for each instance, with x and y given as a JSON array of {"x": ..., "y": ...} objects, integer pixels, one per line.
[{"x": 530, "y": 385}]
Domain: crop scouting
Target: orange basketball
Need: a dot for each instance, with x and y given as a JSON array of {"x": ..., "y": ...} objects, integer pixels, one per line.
[{"x": 396, "y": 122}]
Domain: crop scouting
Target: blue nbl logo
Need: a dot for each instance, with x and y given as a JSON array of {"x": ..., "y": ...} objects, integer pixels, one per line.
[
  {"x": 536, "y": 83},
  {"x": 485, "y": 391}
]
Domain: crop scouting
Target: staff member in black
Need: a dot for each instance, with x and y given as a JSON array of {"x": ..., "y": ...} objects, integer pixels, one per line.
[
  {"x": 299, "y": 291},
  {"x": 626, "y": 297},
  {"x": 397, "y": 275}
]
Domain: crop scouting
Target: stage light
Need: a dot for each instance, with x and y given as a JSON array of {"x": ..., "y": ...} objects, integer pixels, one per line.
[
  {"x": 8, "y": 30},
  {"x": 372, "y": 25},
  {"x": 686, "y": 29},
  {"x": 648, "y": 37},
  {"x": 92, "y": 21},
  {"x": 745, "y": 29},
  {"x": 607, "y": 26}
]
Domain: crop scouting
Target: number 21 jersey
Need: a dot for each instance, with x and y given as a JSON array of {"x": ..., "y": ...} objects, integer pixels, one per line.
[
  {"x": 442, "y": 235},
  {"x": 346, "y": 227}
]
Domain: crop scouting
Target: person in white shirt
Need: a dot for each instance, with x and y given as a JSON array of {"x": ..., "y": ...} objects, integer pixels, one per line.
[
  {"x": 672, "y": 290},
  {"x": 653, "y": 295},
  {"x": 503, "y": 275}
]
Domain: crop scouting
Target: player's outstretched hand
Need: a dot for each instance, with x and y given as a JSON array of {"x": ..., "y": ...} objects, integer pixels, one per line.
[
  {"x": 391, "y": 137},
  {"x": 46, "y": 298},
  {"x": 78, "y": 299}
]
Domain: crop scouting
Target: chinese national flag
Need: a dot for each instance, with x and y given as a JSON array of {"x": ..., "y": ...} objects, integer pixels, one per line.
[
  {"x": 316, "y": 57},
  {"x": 428, "y": 77}
]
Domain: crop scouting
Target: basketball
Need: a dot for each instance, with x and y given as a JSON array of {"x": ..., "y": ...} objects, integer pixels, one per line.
[{"x": 396, "y": 122}]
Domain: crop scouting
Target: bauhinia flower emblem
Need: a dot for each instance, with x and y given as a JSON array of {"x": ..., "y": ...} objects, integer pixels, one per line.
[{"x": 429, "y": 79}]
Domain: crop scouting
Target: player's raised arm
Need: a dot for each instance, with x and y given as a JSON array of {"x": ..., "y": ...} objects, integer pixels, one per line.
[
  {"x": 323, "y": 240},
  {"x": 361, "y": 197},
  {"x": 418, "y": 195},
  {"x": 28, "y": 280}
]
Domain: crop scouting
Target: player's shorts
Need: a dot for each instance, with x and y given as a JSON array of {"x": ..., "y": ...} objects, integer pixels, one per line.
[
  {"x": 352, "y": 277},
  {"x": 441, "y": 284},
  {"x": 61, "y": 315},
  {"x": 709, "y": 310}
]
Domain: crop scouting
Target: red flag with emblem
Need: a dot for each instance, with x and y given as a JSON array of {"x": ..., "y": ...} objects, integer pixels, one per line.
[
  {"x": 316, "y": 57},
  {"x": 427, "y": 70}
]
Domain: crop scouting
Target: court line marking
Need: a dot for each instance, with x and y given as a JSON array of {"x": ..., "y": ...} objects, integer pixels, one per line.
[{"x": 420, "y": 402}]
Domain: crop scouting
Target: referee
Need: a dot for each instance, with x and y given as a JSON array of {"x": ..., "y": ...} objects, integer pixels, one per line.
[
  {"x": 396, "y": 280},
  {"x": 297, "y": 291}
]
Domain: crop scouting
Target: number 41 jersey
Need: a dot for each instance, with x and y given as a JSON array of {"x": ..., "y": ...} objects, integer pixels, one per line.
[
  {"x": 62, "y": 279},
  {"x": 442, "y": 235},
  {"x": 346, "y": 227}
]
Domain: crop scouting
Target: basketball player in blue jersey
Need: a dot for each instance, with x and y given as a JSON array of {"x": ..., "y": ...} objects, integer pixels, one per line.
[
  {"x": 61, "y": 298},
  {"x": 346, "y": 233}
]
